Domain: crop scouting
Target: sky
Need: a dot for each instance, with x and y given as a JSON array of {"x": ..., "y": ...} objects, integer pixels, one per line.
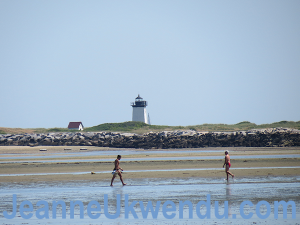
[{"x": 193, "y": 61}]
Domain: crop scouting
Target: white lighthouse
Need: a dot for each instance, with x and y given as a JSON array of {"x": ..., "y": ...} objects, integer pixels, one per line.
[{"x": 139, "y": 112}]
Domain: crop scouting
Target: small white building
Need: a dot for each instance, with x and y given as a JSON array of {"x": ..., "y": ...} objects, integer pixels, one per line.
[
  {"x": 139, "y": 112},
  {"x": 75, "y": 126}
]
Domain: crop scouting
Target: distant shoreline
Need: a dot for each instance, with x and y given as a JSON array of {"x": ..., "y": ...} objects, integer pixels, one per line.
[{"x": 141, "y": 128}]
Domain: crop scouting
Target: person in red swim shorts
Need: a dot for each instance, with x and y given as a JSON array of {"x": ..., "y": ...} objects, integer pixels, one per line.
[{"x": 228, "y": 165}]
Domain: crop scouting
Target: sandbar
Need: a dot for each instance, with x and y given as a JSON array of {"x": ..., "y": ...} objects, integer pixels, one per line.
[{"x": 138, "y": 167}]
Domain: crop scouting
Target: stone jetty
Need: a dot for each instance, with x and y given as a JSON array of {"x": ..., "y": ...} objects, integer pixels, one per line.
[{"x": 272, "y": 137}]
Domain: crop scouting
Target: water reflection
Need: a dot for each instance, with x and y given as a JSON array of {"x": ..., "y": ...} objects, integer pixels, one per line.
[
  {"x": 228, "y": 197},
  {"x": 135, "y": 171},
  {"x": 115, "y": 200},
  {"x": 155, "y": 189},
  {"x": 36, "y": 159}
]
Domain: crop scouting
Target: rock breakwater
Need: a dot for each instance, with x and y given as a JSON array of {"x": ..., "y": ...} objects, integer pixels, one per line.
[{"x": 273, "y": 137}]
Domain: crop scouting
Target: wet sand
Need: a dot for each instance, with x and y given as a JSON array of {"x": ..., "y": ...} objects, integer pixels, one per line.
[
  {"x": 236, "y": 191},
  {"x": 137, "y": 163},
  {"x": 37, "y": 177}
]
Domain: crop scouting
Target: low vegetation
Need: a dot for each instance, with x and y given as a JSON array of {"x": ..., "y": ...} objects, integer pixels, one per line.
[{"x": 140, "y": 128}]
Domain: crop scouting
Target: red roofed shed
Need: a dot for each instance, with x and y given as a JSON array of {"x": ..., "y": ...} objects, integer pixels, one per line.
[{"x": 75, "y": 126}]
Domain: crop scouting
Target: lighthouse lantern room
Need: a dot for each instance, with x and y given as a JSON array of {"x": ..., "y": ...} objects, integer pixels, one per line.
[{"x": 139, "y": 112}]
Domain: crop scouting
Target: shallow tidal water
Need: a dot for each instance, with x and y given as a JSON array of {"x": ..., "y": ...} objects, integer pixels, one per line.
[
  {"x": 39, "y": 159},
  {"x": 194, "y": 190}
]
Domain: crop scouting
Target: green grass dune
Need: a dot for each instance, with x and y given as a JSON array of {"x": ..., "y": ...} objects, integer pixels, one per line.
[{"x": 140, "y": 128}]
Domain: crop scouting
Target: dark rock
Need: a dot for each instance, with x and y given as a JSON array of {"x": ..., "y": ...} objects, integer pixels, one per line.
[{"x": 280, "y": 137}]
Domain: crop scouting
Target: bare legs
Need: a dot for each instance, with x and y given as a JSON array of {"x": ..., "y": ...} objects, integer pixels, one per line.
[
  {"x": 114, "y": 176},
  {"x": 121, "y": 179},
  {"x": 112, "y": 180},
  {"x": 227, "y": 172}
]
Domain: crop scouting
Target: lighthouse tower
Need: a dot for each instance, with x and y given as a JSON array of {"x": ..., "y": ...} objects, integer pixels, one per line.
[{"x": 139, "y": 112}]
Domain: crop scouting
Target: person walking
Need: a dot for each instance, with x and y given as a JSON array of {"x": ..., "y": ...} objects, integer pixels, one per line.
[
  {"x": 227, "y": 163},
  {"x": 117, "y": 171}
]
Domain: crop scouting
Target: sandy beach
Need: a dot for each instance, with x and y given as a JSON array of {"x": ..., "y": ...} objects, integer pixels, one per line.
[
  {"x": 73, "y": 167},
  {"x": 269, "y": 174}
]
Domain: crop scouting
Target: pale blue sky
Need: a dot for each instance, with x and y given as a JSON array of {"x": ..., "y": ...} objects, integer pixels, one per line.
[{"x": 194, "y": 62}]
